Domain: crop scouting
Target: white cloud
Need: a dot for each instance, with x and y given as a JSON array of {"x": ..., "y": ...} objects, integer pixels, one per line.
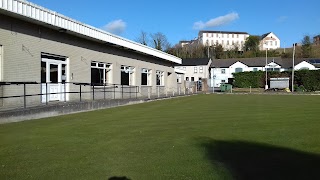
[
  {"x": 282, "y": 19},
  {"x": 115, "y": 27},
  {"x": 215, "y": 22}
]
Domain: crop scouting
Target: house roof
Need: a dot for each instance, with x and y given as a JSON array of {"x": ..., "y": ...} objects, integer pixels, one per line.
[
  {"x": 261, "y": 62},
  {"x": 223, "y": 32},
  {"x": 33, "y": 13},
  {"x": 195, "y": 61},
  {"x": 264, "y": 35},
  {"x": 251, "y": 62}
]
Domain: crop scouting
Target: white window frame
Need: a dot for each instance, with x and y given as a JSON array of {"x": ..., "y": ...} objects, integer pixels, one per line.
[
  {"x": 223, "y": 71},
  {"x": 148, "y": 72},
  {"x": 179, "y": 78},
  {"x": 106, "y": 67},
  {"x": 200, "y": 69},
  {"x": 160, "y": 76},
  {"x": 195, "y": 69}
]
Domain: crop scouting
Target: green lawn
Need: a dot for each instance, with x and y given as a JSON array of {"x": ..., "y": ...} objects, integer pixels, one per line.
[{"x": 197, "y": 137}]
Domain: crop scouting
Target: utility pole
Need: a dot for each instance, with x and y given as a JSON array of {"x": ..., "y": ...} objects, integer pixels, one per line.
[{"x": 292, "y": 78}]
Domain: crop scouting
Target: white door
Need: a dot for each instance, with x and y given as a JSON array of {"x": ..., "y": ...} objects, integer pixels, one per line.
[{"x": 55, "y": 76}]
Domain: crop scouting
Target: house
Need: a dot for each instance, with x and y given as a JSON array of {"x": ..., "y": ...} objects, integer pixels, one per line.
[
  {"x": 195, "y": 69},
  {"x": 222, "y": 69},
  {"x": 228, "y": 39},
  {"x": 269, "y": 41},
  {"x": 316, "y": 40},
  {"x": 42, "y": 46}
]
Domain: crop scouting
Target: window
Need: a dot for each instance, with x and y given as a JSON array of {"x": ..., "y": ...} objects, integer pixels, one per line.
[
  {"x": 255, "y": 69},
  {"x": 179, "y": 78},
  {"x": 222, "y": 35},
  {"x": 100, "y": 72},
  {"x": 238, "y": 70},
  {"x": 127, "y": 73},
  {"x": 187, "y": 78},
  {"x": 223, "y": 81},
  {"x": 275, "y": 43},
  {"x": 227, "y": 35},
  {"x": 273, "y": 69},
  {"x": 237, "y": 35},
  {"x": 160, "y": 78},
  {"x": 271, "y": 43},
  {"x": 227, "y": 42},
  {"x": 232, "y": 35},
  {"x": 212, "y": 43},
  {"x": 146, "y": 77},
  {"x": 192, "y": 79},
  {"x": 195, "y": 69},
  {"x": 223, "y": 71},
  {"x": 200, "y": 69},
  {"x": 184, "y": 68},
  {"x": 217, "y": 35}
]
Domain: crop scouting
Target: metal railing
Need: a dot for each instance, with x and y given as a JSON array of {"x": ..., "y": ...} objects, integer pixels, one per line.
[{"x": 28, "y": 94}]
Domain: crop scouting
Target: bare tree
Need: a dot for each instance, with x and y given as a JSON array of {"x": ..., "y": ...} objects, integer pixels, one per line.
[
  {"x": 160, "y": 41},
  {"x": 143, "y": 38}
]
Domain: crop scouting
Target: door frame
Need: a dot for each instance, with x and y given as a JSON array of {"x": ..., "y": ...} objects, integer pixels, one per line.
[{"x": 61, "y": 87}]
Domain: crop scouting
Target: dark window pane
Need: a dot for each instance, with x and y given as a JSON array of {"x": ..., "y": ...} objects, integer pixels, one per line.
[
  {"x": 144, "y": 79},
  {"x": 124, "y": 78},
  {"x": 238, "y": 70},
  {"x": 158, "y": 80},
  {"x": 53, "y": 73},
  {"x": 96, "y": 76},
  {"x": 43, "y": 72}
]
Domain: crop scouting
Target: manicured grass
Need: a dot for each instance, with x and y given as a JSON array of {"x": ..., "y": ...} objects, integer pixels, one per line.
[{"x": 197, "y": 137}]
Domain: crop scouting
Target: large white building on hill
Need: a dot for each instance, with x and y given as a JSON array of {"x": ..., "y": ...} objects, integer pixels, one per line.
[{"x": 228, "y": 39}]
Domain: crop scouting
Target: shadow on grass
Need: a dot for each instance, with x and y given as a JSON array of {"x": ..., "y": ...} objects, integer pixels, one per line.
[
  {"x": 119, "y": 178},
  {"x": 246, "y": 160}
]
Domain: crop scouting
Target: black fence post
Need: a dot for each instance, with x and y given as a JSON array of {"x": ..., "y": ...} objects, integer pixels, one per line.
[
  {"x": 114, "y": 91},
  {"x": 104, "y": 91},
  {"x": 65, "y": 93},
  {"x": 122, "y": 90},
  {"x": 92, "y": 91},
  {"x": 80, "y": 93},
  {"x": 136, "y": 92},
  {"x": 46, "y": 93},
  {"x": 24, "y": 96}
]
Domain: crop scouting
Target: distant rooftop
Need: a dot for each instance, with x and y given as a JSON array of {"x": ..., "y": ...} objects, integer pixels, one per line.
[{"x": 223, "y": 32}]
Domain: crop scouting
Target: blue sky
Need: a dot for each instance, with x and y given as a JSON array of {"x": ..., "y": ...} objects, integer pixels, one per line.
[{"x": 290, "y": 20}]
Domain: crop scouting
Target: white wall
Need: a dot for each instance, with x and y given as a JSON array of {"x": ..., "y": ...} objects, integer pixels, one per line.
[
  {"x": 271, "y": 41},
  {"x": 191, "y": 73},
  {"x": 223, "y": 38},
  {"x": 304, "y": 65},
  {"x": 217, "y": 76}
]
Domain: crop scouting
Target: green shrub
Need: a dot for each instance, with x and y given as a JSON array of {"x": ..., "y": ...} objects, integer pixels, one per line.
[{"x": 308, "y": 80}]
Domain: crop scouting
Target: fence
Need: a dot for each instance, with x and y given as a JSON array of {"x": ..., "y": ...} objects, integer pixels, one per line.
[{"x": 28, "y": 94}]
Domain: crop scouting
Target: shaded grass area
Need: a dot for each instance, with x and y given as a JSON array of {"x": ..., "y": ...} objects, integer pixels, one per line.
[{"x": 197, "y": 137}]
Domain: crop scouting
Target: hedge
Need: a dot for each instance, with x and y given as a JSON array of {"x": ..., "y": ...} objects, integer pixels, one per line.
[{"x": 309, "y": 79}]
